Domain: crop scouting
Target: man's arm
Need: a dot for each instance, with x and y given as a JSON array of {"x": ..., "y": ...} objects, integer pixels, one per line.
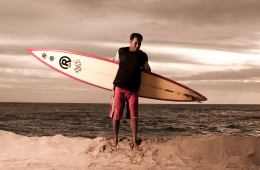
[
  {"x": 116, "y": 58},
  {"x": 147, "y": 67}
]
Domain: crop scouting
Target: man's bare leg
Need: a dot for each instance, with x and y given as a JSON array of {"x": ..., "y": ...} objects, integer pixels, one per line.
[
  {"x": 115, "y": 124},
  {"x": 134, "y": 129}
]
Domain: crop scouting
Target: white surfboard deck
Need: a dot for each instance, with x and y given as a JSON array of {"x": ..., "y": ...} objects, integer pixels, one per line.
[{"x": 100, "y": 72}]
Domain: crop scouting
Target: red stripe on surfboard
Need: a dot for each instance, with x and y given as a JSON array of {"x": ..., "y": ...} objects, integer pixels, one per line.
[
  {"x": 111, "y": 61},
  {"x": 77, "y": 53}
]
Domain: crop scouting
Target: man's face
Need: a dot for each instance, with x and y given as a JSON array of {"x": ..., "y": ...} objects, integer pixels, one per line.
[{"x": 135, "y": 44}]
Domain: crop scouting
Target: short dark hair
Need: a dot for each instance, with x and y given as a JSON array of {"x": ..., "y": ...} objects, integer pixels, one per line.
[{"x": 137, "y": 35}]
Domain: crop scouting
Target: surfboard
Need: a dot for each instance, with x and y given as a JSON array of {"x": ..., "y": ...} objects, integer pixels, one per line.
[{"x": 100, "y": 72}]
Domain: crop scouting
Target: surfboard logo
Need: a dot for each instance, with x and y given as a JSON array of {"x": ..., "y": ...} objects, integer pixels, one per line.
[
  {"x": 51, "y": 58},
  {"x": 44, "y": 55},
  {"x": 65, "y": 62},
  {"x": 77, "y": 65}
]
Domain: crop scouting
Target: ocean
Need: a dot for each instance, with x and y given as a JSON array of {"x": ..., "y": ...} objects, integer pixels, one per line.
[{"x": 155, "y": 120}]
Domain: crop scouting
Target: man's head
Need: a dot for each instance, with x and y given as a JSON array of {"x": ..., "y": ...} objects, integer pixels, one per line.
[{"x": 135, "y": 41}]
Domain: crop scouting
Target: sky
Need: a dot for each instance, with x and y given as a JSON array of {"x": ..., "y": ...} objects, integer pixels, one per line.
[{"x": 210, "y": 46}]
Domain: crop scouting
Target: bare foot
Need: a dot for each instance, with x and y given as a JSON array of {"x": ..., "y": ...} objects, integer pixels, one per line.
[
  {"x": 135, "y": 146},
  {"x": 115, "y": 143}
]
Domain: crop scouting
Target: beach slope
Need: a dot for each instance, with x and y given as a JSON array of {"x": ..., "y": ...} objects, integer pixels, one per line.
[{"x": 190, "y": 152}]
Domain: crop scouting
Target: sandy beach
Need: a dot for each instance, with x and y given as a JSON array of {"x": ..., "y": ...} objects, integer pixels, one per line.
[{"x": 188, "y": 152}]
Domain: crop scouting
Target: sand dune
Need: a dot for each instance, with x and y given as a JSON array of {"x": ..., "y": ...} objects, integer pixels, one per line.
[{"x": 192, "y": 152}]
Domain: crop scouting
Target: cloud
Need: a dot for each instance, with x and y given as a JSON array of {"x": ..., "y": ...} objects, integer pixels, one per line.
[
  {"x": 169, "y": 60},
  {"x": 175, "y": 21},
  {"x": 231, "y": 75},
  {"x": 195, "y": 55},
  {"x": 224, "y": 85},
  {"x": 208, "y": 44},
  {"x": 199, "y": 11}
]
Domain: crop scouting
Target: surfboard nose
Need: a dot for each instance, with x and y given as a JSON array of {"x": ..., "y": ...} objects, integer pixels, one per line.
[{"x": 30, "y": 49}]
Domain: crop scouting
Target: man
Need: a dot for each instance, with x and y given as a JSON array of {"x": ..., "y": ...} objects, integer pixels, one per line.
[{"x": 127, "y": 83}]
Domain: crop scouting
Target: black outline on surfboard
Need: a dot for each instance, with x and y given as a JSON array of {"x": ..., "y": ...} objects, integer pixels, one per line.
[{"x": 111, "y": 61}]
